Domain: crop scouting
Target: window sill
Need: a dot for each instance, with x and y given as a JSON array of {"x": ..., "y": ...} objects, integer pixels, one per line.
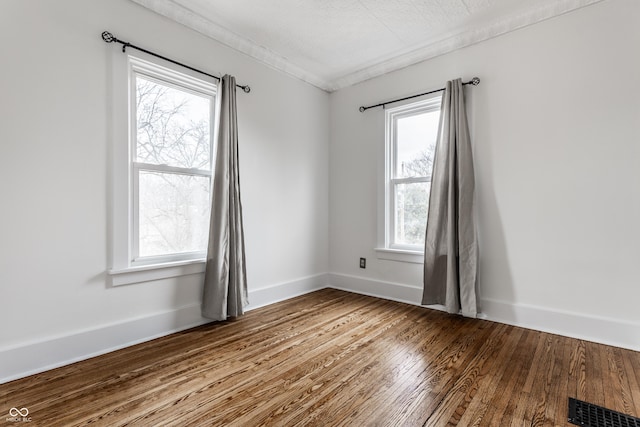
[
  {"x": 145, "y": 273},
  {"x": 401, "y": 255}
]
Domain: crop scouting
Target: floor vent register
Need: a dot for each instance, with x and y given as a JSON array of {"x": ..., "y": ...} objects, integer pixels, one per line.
[{"x": 590, "y": 415}]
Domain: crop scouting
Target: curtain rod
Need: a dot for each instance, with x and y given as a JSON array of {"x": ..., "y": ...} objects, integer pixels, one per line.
[
  {"x": 110, "y": 38},
  {"x": 474, "y": 81}
]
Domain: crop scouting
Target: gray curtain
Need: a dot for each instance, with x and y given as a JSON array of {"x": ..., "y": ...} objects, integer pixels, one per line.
[
  {"x": 451, "y": 249},
  {"x": 225, "y": 279}
]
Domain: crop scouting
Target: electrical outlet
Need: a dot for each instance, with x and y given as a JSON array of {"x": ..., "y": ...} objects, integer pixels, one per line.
[{"x": 363, "y": 263}]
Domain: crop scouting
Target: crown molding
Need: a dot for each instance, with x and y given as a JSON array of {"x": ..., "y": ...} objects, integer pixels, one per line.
[
  {"x": 496, "y": 28},
  {"x": 184, "y": 16},
  {"x": 459, "y": 41}
]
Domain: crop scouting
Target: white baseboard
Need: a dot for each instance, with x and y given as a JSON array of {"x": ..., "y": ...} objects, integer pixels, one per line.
[
  {"x": 376, "y": 288},
  {"x": 31, "y": 358},
  {"x": 603, "y": 330},
  {"x": 284, "y": 291},
  {"x": 598, "y": 329}
]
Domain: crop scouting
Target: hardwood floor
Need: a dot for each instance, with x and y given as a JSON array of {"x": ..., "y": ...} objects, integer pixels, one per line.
[{"x": 335, "y": 358}]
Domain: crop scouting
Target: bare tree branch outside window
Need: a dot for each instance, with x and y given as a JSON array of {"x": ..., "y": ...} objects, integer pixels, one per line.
[{"x": 173, "y": 129}]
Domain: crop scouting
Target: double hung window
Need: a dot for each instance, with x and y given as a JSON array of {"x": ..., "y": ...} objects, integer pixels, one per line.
[
  {"x": 168, "y": 162},
  {"x": 171, "y": 164},
  {"x": 410, "y": 146}
]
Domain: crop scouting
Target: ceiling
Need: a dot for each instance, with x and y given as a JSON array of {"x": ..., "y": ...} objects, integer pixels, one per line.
[{"x": 337, "y": 43}]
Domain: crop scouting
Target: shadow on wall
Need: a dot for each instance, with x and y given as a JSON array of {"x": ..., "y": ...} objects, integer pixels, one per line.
[{"x": 494, "y": 276}]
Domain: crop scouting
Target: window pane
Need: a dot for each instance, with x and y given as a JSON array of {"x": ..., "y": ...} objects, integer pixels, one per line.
[
  {"x": 173, "y": 126},
  {"x": 415, "y": 144},
  {"x": 174, "y": 213},
  {"x": 411, "y": 201}
]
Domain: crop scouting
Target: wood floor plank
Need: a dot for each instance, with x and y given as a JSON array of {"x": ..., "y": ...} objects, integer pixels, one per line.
[
  {"x": 543, "y": 385},
  {"x": 594, "y": 375},
  {"x": 617, "y": 382},
  {"x": 577, "y": 370},
  {"x": 632, "y": 372},
  {"x": 581, "y": 372},
  {"x": 333, "y": 358},
  {"x": 557, "y": 388}
]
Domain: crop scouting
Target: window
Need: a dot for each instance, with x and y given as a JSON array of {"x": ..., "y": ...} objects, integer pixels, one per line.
[
  {"x": 411, "y": 133},
  {"x": 161, "y": 211},
  {"x": 171, "y": 165}
]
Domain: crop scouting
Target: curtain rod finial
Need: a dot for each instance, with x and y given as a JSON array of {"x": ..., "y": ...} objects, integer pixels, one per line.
[
  {"x": 108, "y": 37},
  {"x": 246, "y": 89},
  {"x": 362, "y": 109},
  {"x": 475, "y": 81}
]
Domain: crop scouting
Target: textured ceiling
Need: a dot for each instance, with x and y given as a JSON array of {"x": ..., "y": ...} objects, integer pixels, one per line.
[{"x": 336, "y": 43}]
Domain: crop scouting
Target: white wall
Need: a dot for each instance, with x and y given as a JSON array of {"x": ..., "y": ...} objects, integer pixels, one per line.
[
  {"x": 555, "y": 125},
  {"x": 55, "y": 108}
]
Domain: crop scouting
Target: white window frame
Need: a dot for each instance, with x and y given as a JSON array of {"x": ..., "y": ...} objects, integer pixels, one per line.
[
  {"x": 387, "y": 249},
  {"x": 126, "y": 266}
]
